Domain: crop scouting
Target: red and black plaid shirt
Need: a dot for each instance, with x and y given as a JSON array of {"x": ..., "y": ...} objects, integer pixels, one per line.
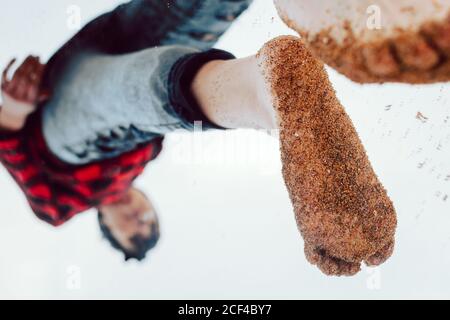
[{"x": 57, "y": 191}]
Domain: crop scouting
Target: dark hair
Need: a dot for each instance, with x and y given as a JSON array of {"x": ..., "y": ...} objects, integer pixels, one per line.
[{"x": 141, "y": 244}]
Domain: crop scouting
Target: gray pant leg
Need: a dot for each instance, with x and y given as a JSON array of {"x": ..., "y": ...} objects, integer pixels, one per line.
[
  {"x": 106, "y": 105},
  {"x": 84, "y": 121}
]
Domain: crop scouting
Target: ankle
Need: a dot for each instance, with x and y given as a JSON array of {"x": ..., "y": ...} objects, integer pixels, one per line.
[{"x": 231, "y": 94}]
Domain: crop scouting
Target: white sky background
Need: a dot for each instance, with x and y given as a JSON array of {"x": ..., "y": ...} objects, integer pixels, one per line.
[{"x": 228, "y": 230}]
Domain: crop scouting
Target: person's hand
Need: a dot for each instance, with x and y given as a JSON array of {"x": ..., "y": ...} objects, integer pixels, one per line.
[{"x": 20, "y": 93}]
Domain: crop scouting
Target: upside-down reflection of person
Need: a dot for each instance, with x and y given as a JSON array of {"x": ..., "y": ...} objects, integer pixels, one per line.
[{"x": 57, "y": 190}]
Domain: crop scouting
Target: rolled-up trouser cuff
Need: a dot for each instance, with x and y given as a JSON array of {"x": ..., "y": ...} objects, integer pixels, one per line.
[{"x": 180, "y": 79}]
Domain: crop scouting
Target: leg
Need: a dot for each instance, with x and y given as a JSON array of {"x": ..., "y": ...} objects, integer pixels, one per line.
[
  {"x": 106, "y": 105},
  {"x": 342, "y": 210},
  {"x": 376, "y": 41},
  {"x": 129, "y": 28}
]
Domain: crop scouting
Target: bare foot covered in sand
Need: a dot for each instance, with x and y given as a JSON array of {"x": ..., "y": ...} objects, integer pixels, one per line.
[
  {"x": 342, "y": 210},
  {"x": 376, "y": 40}
]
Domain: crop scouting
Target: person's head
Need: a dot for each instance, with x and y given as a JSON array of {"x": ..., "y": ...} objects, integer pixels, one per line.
[{"x": 130, "y": 224}]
